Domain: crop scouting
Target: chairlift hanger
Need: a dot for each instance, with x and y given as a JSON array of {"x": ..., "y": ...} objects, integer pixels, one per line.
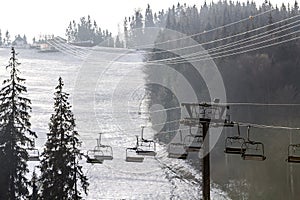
[
  {"x": 33, "y": 153},
  {"x": 292, "y": 156},
  {"x": 106, "y": 150},
  {"x": 177, "y": 150},
  {"x": 231, "y": 148},
  {"x": 145, "y": 150},
  {"x": 131, "y": 158},
  {"x": 99, "y": 153},
  {"x": 94, "y": 156},
  {"x": 193, "y": 143},
  {"x": 254, "y": 153}
]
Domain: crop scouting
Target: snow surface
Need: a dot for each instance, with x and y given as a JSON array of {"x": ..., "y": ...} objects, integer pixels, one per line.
[{"x": 106, "y": 97}]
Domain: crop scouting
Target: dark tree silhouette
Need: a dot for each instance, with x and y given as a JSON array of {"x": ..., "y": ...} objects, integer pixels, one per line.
[
  {"x": 14, "y": 132},
  {"x": 60, "y": 171}
]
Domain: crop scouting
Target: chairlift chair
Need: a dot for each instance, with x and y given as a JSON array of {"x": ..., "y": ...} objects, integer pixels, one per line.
[
  {"x": 131, "y": 155},
  {"x": 33, "y": 153},
  {"x": 234, "y": 144},
  {"x": 146, "y": 147},
  {"x": 100, "y": 153},
  {"x": 193, "y": 143},
  {"x": 254, "y": 150},
  {"x": 107, "y": 152},
  {"x": 293, "y": 153},
  {"x": 95, "y": 156},
  {"x": 177, "y": 149}
]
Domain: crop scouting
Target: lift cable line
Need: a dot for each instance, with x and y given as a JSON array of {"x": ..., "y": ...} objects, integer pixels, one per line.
[
  {"x": 236, "y": 42},
  {"x": 235, "y": 53},
  {"x": 208, "y": 31},
  {"x": 266, "y": 126},
  {"x": 229, "y": 37},
  {"x": 91, "y": 138},
  {"x": 233, "y": 36},
  {"x": 222, "y": 48},
  {"x": 223, "y": 104},
  {"x": 75, "y": 51},
  {"x": 215, "y": 55},
  {"x": 234, "y": 104}
]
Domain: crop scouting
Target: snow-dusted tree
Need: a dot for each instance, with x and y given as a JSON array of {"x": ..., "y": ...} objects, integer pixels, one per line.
[
  {"x": 60, "y": 171},
  {"x": 14, "y": 132}
]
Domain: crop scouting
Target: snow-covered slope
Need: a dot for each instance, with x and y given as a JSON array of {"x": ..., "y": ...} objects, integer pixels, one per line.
[{"x": 106, "y": 97}]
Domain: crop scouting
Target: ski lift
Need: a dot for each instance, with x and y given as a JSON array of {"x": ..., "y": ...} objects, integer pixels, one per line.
[
  {"x": 177, "y": 150},
  {"x": 95, "y": 156},
  {"x": 33, "y": 153},
  {"x": 106, "y": 150},
  {"x": 100, "y": 153},
  {"x": 293, "y": 153},
  {"x": 146, "y": 147},
  {"x": 131, "y": 155},
  {"x": 193, "y": 143},
  {"x": 254, "y": 150},
  {"x": 233, "y": 144}
]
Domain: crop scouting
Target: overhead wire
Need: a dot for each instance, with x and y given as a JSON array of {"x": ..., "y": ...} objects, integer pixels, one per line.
[
  {"x": 228, "y": 37},
  {"x": 208, "y": 31},
  {"x": 71, "y": 47},
  {"x": 266, "y": 126},
  {"x": 231, "y": 37},
  {"x": 214, "y": 55},
  {"x": 232, "y": 44},
  {"x": 234, "y": 53},
  {"x": 207, "y": 58}
]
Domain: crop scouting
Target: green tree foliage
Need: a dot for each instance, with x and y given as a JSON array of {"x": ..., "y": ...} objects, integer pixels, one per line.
[
  {"x": 60, "y": 171},
  {"x": 14, "y": 134}
]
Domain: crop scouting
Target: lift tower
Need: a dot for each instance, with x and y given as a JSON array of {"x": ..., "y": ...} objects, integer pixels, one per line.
[{"x": 202, "y": 115}]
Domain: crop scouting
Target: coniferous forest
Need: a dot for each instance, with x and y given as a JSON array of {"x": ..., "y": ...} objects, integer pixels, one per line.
[
  {"x": 256, "y": 48},
  {"x": 250, "y": 74}
]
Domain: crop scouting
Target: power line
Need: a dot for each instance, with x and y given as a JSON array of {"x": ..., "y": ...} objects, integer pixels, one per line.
[
  {"x": 232, "y": 44},
  {"x": 70, "y": 47},
  {"x": 240, "y": 52},
  {"x": 215, "y": 55},
  {"x": 232, "y": 36},
  {"x": 211, "y": 30}
]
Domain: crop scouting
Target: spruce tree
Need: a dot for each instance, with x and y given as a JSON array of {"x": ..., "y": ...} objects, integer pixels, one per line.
[
  {"x": 59, "y": 166},
  {"x": 34, "y": 187},
  {"x": 14, "y": 134}
]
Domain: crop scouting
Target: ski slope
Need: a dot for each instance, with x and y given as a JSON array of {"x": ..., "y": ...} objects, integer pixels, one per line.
[{"x": 106, "y": 96}]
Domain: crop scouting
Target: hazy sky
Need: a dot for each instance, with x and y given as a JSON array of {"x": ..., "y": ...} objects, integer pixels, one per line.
[{"x": 34, "y": 17}]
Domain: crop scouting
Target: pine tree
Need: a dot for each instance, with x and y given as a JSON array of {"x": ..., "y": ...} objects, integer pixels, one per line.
[
  {"x": 0, "y": 38},
  {"x": 118, "y": 43},
  {"x": 34, "y": 186},
  {"x": 59, "y": 167},
  {"x": 7, "y": 38},
  {"x": 14, "y": 132},
  {"x": 149, "y": 21}
]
